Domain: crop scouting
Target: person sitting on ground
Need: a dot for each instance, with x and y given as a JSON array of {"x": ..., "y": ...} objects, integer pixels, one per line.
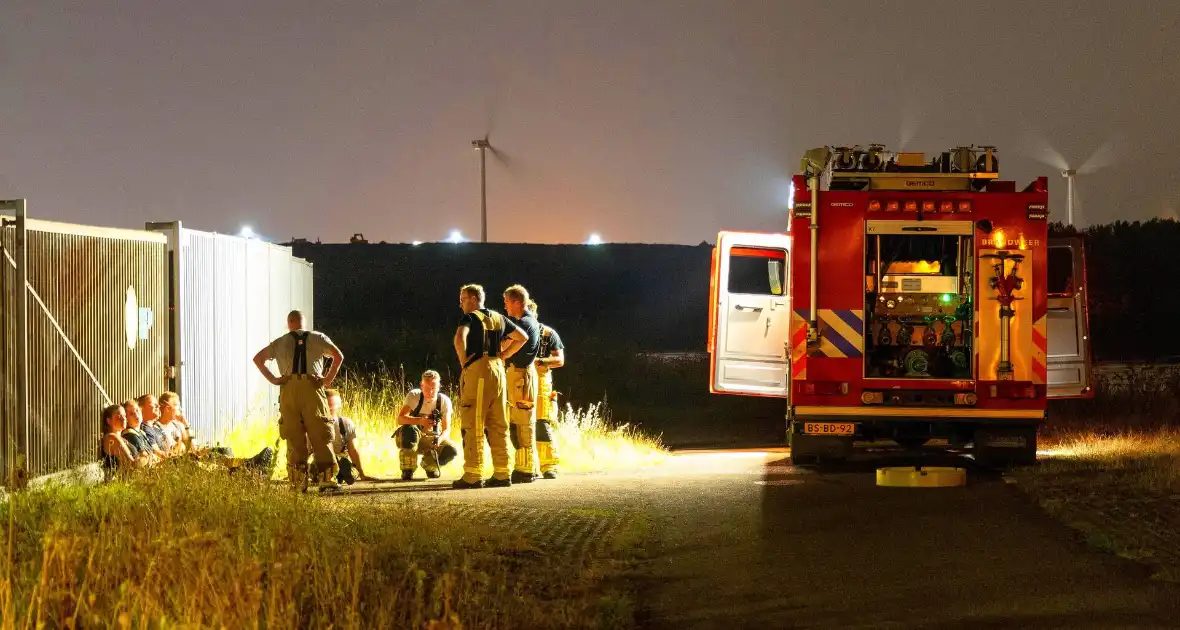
[
  {"x": 118, "y": 455},
  {"x": 155, "y": 437},
  {"x": 424, "y": 420},
  {"x": 344, "y": 443},
  {"x": 172, "y": 413},
  {"x": 149, "y": 407},
  {"x": 176, "y": 441}
]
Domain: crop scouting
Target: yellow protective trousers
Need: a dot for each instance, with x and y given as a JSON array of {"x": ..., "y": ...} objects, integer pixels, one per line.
[
  {"x": 305, "y": 424},
  {"x": 413, "y": 442},
  {"x": 483, "y": 410},
  {"x": 522, "y": 414},
  {"x": 547, "y": 413}
]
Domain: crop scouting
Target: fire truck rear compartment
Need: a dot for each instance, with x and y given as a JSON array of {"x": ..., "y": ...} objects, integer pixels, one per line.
[{"x": 918, "y": 303}]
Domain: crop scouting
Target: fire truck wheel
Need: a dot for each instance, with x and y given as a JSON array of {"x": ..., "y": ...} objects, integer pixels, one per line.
[{"x": 1005, "y": 446}]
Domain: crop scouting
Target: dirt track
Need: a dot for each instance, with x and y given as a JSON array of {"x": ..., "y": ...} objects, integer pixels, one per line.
[{"x": 742, "y": 539}]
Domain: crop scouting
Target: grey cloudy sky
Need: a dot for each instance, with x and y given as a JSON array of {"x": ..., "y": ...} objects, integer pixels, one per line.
[{"x": 645, "y": 121}]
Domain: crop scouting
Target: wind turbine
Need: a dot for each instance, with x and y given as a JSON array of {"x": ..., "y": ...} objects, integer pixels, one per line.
[
  {"x": 1104, "y": 156},
  {"x": 483, "y": 146}
]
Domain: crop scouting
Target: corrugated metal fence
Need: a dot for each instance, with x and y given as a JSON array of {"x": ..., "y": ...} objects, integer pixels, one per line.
[
  {"x": 109, "y": 310},
  {"x": 97, "y": 310},
  {"x": 233, "y": 295}
]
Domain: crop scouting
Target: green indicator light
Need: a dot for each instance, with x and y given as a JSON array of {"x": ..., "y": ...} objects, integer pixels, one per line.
[{"x": 946, "y": 298}]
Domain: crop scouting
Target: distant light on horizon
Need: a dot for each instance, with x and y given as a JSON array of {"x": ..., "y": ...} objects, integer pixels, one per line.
[
  {"x": 415, "y": 242},
  {"x": 455, "y": 237},
  {"x": 246, "y": 232},
  {"x": 594, "y": 239}
]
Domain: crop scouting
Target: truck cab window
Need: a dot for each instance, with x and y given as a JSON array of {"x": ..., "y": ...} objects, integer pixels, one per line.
[{"x": 754, "y": 271}]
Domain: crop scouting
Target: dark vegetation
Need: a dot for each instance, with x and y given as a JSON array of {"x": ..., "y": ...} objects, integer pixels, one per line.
[{"x": 399, "y": 305}]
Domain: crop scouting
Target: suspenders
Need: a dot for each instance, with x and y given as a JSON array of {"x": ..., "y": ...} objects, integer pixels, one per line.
[
  {"x": 491, "y": 324},
  {"x": 543, "y": 350},
  {"x": 437, "y": 407},
  {"x": 422, "y": 399},
  {"x": 299, "y": 363}
]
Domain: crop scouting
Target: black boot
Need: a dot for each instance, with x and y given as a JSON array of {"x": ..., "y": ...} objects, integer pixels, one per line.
[
  {"x": 407, "y": 475},
  {"x": 522, "y": 477},
  {"x": 459, "y": 484}
]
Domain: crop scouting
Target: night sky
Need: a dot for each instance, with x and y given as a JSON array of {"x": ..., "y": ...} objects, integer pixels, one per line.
[{"x": 643, "y": 121}]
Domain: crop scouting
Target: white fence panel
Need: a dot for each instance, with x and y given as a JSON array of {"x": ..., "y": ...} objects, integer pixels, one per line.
[
  {"x": 234, "y": 297},
  {"x": 196, "y": 363}
]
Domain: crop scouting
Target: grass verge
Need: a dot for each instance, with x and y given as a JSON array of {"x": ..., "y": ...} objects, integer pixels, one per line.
[
  {"x": 182, "y": 546},
  {"x": 1110, "y": 468},
  {"x": 586, "y": 439}
]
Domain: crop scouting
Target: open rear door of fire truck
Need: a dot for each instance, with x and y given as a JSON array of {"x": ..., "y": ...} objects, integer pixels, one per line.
[
  {"x": 1068, "y": 330},
  {"x": 750, "y": 314}
]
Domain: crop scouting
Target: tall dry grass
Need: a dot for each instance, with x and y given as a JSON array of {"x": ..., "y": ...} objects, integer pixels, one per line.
[
  {"x": 1131, "y": 430},
  {"x": 186, "y": 547},
  {"x": 586, "y": 439}
]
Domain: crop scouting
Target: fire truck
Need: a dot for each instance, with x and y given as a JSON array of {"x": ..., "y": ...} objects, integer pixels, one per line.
[{"x": 909, "y": 300}]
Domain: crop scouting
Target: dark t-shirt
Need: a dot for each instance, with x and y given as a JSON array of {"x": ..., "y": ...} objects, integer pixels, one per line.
[
  {"x": 475, "y": 336},
  {"x": 137, "y": 442},
  {"x": 548, "y": 345},
  {"x": 155, "y": 436},
  {"x": 528, "y": 352}
]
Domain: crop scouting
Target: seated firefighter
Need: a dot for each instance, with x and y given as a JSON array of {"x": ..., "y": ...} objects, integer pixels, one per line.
[{"x": 424, "y": 419}]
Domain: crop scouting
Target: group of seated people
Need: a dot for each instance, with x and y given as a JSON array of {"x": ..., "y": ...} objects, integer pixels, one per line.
[{"x": 146, "y": 431}]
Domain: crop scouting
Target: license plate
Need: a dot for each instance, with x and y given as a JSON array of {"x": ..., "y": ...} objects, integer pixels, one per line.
[{"x": 829, "y": 428}]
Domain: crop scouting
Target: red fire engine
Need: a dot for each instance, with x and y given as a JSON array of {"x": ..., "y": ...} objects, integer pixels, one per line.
[{"x": 909, "y": 300}]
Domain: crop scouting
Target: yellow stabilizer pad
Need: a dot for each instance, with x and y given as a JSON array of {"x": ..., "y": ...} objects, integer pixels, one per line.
[{"x": 921, "y": 477}]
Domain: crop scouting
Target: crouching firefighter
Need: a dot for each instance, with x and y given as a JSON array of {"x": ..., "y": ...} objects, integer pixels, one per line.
[
  {"x": 550, "y": 356},
  {"x": 424, "y": 421},
  {"x": 350, "y": 469},
  {"x": 483, "y": 402},
  {"x": 304, "y": 420}
]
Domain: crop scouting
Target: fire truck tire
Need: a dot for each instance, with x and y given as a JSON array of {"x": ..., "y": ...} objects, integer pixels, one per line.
[{"x": 1005, "y": 446}]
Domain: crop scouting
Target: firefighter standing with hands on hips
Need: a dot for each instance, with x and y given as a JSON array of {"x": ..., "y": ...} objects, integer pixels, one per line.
[
  {"x": 550, "y": 356},
  {"x": 522, "y": 385},
  {"x": 304, "y": 419},
  {"x": 483, "y": 401},
  {"x": 424, "y": 421}
]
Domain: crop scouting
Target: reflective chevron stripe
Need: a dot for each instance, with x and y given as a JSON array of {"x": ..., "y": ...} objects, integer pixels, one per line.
[{"x": 841, "y": 333}]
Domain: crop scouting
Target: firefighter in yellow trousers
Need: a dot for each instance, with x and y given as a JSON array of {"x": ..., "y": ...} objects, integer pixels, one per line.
[
  {"x": 304, "y": 419},
  {"x": 423, "y": 423},
  {"x": 550, "y": 356},
  {"x": 522, "y": 385},
  {"x": 483, "y": 402}
]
